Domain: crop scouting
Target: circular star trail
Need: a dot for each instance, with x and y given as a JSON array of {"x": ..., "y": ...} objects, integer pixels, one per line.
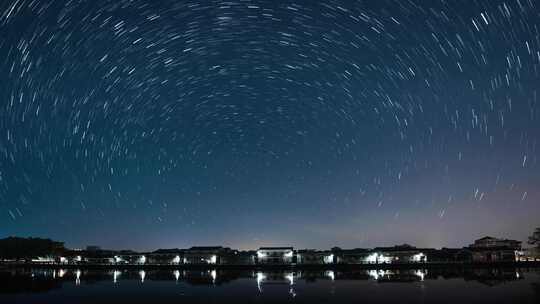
[{"x": 134, "y": 123}]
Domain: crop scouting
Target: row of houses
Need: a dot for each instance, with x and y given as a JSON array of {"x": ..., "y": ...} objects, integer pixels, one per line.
[{"x": 487, "y": 249}]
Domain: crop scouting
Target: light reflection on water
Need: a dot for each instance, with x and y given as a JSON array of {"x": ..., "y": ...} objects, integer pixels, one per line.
[
  {"x": 176, "y": 274},
  {"x": 291, "y": 284},
  {"x": 77, "y": 277},
  {"x": 116, "y": 274},
  {"x": 262, "y": 277},
  {"x": 142, "y": 274}
]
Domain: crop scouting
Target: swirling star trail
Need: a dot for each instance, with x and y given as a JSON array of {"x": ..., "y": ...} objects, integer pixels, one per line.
[{"x": 145, "y": 124}]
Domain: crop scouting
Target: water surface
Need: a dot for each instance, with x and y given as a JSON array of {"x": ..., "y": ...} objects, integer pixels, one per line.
[{"x": 42, "y": 286}]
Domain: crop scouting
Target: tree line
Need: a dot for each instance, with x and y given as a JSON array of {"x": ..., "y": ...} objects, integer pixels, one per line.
[{"x": 18, "y": 248}]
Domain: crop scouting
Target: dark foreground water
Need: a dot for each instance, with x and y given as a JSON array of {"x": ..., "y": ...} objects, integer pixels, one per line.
[{"x": 219, "y": 286}]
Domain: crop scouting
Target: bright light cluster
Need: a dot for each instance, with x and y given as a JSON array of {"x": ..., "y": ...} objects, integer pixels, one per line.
[{"x": 420, "y": 257}]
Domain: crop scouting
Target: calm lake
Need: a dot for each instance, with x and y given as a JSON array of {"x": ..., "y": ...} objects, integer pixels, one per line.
[{"x": 507, "y": 285}]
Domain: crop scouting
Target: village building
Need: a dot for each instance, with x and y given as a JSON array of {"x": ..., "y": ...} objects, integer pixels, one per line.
[
  {"x": 275, "y": 255},
  {"x": 204, "y": 255},
  {"x": 449, "y": 255},
  {"x": 489, "y": 249},
  {"x": 349, "y": 256},
  {"x": 398, "y": 255},
  {"x": 314, "y": 257},
  {"x": 236, "y": 257}
]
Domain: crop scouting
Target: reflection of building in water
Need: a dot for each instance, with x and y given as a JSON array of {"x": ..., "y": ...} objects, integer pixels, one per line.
[
  {"x": 376, "y": 274},
  {"x": 275, "y": 255},
  {"x": 205, "y": 277},
  {"x": 493, "y": 276},
  {"x": 142, "y": 274},
  {"x": 213, "y": 275},
  {"x": 330, "y": 274},
  {"x": 397, "y": 275},
  {"x": 259, "y": 276},
  {"x": 61, "y": 273},
  {"x": 77, "y": 277},
  {"x": 116, "y": 274},
  {"x": 489, "y": 249},
  {"x": 421, "y": 274},
  {"x": 276, "y": 278},
  {"x": 15, "y": 281}
]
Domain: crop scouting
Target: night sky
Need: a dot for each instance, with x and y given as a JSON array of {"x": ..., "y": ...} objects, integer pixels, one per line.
[{"x": 145, "y": 124}]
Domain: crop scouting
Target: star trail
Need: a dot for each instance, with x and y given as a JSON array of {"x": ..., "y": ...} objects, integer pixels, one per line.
[{"x": 147, "y": 124}]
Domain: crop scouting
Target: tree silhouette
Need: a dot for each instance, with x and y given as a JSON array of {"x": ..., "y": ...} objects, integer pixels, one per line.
[{"x": 14, "y": 247}]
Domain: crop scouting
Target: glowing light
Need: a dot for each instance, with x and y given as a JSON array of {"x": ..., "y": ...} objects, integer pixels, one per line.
[
  {"x": 142, "y": 274},
  {"x": 421, "y": 274},
  {"x": 78, "y": 277},
  {"x": 176, "y": 275},
  {"x": 260, "y": 278},
  {"x": 376, "y": 274},
  {"x": 288, "y": 254},
  {"x": 116, "y": 274},
  {"x": 61, "y": 273},
  {"x": 117, "y": 259},
  {"x": 329, "y": 259},
  {"x": 420, "y": 257},
  {"x": 176, "y": 260},
  {"x": 290, "y": 278},
  {"x": 372, "y": 258},
  {"x": 292, "y": 292},
  {"x": 213, "y": 259},
  {"x": 142, "y": 260},
  {"x": 213, "y": 274},
  {"x": 260, "y": 254},
  {"x": 331, "y": 275}
]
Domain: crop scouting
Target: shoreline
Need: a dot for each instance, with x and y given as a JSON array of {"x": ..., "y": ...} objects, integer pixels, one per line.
[{"x": 531, "y": 264}]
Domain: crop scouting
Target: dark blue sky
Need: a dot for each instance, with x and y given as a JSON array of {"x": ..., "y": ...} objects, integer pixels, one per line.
[{"x": 144, "y": 124}]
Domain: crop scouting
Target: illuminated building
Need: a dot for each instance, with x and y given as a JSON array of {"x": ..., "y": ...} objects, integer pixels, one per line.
[{"x": 275, "y": 255}]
